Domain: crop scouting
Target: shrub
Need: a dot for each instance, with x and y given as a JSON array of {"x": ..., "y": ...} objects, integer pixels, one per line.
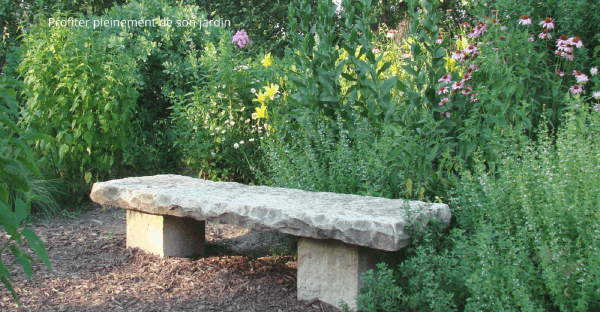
[
  {"x": 16, "y": 161},
  {"x": 221, "y": 124},
  {"x": 84, "y": 95},
  {"x": 526, "y": 236}
]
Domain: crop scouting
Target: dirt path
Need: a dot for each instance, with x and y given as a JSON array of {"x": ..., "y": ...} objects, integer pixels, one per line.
[{"x": 93, "y": 271}]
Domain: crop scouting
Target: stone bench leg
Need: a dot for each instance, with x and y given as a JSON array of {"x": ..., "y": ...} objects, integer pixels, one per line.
[
  {"x": 166, "y": 236},
  {"x": 330, "y": 269}
]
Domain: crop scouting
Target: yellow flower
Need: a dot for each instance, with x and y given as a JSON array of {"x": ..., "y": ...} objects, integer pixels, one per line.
[
  {"x": 261, "y": 112},
  {"x": 261, "y": 97},
  {"x": 271, "y": 90},
  {"x": 344, "y": 55},
  {"x": 268, "y": 60},
  {"x": 450, "y": 64},
  {"x": 293, "y": 68},
  {"x": 462, "y": 43}
]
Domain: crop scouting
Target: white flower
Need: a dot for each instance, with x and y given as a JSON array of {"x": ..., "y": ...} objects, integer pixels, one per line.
[
  {"x": 241, "y": 142},
  {"x": 217, "y": 129},
  {"x": 236, "y": 146},
  {"x": 223, "y": 131},
  {"x": 213, "y": 154},
  {"x": 243, "y": 108},
  {"x": 232, "y": 123},
  {"x": 594, "y": 71},
  {"x": 253, "y": 90},
  {"x": 251, "y": 140},
  {"x": 596, "y": 95}
]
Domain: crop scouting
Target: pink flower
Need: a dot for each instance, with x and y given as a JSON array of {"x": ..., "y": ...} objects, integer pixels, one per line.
[
  {"x": 581, "y": 77},
  {"x": 560, "y": 73},
  {"x": 470, "y": 49},
  {"x": 576, "y": 42},
  {"x": 525, "y": 20},
  {"x": 503, "y": 28},
  {"x": 375, "y": 50},
  {"x": 446, "y": 78},
  {"x": 458, "y": 55},
  {"x": 444, "y": 101},
  {"x": 596, "y": 95},
  {"x": 576, "y": 89},
  {"x": 597, "y": 108},
  {"x": 466, "y": 77},
  {"x": 545, "y": 34},
  {"x": 446, "y": 114},
  {"x": 241, "y": 38},
  {"x": 562, "y": 40},
  {"x": 439, "y": 40},
  {"x": 467, "y": 90},
  {"x": 530, "y": 39},
  {"x": 443, "y": 90},
  {"x": 392, "y": 34},
  {"x": 565, "y": 47},
  {"x": 548, "y": 23},
  {"x": 568, "y": 56},
  {"x": 406, "y": 55},
  {"x": 473, "y": 98},
  {"x": 594, "y": 71},
  {"x": 457, "y": 86}
]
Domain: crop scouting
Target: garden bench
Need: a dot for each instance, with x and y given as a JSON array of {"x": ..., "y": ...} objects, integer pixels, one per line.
[{"x": 340, "y": 235}]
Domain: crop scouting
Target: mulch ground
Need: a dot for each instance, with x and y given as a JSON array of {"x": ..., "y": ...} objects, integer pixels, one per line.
[{"x": 92, "y": 270}]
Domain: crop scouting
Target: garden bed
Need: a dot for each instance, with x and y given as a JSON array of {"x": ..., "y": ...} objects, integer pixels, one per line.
[{"x": 93, "y": 271}]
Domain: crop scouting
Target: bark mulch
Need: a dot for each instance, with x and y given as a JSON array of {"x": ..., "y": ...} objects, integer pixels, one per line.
[{"x": 92, "y": 270}]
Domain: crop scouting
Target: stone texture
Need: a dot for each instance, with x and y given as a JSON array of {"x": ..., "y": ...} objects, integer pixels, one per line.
[
  {"x": 166, "y": 236},
  {"x": 357, "y": 220},
  {"x": 330, "y": 270}
]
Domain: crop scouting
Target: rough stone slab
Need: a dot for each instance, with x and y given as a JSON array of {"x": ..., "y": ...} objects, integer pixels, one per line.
[
  {"x": 358, "y": 220},
  {"x": 166, "y": 236},
  {"x": 330, "y": 270}
]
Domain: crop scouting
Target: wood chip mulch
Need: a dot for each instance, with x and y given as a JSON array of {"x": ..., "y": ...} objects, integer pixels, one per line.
[{"x": 92, "y": 270}]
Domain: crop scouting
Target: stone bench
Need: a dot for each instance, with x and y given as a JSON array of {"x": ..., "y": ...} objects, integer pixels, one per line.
[{"x": 340, "y": 235}]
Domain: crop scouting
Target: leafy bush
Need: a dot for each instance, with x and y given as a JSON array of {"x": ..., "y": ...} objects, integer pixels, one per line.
[
  {"x": 83, "y": 93},
  {"x": 527, "y": 234},
  {"x": 220, "y": 125},
  {"x": 16, "y": 161}
]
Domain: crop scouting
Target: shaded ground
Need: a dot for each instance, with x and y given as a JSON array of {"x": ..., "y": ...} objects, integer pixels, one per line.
[{"x": 93, "y": 271}]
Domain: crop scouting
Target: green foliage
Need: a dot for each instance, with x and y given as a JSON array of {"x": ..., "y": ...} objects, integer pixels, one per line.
[
  {"x": 264, "y": 21},
  {"x": 527, "y": 234},
  {"x": 83, "y": 94},
  {"x": 16, "y": 161},
  {"x": 218, "y": 129},
  {"x": 322, "y": 70}
]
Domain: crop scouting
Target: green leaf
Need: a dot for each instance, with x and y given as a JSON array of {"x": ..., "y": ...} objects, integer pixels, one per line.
[
  {"x": 88, "y": 177},
  {"x": 8, "y": 285},
  {"x": 388, "y": 84},
  {"x": 22, "y": 210},
  {"x": 37, "y": 245},
  {"x": 63, "y": 151},
  {"x": 23, "y": 260},
  {"x": 439, "y": 52},
  {"x": 410, "y": 70},
  {"x": 7, "y": 218}
]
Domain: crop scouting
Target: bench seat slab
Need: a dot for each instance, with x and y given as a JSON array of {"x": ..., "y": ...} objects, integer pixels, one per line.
[
  {"x": 166, "y": 236},
  {"x": 330, "y": 269}
]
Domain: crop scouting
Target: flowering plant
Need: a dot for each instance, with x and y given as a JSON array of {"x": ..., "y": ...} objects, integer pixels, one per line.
[{"x": 241, "y": 39}]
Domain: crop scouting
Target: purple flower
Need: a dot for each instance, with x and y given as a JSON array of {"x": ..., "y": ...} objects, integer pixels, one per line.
[
  {"x": 525, "y": 20},
  {"x": 548, "y": 23},
  {"x": 241, "y": 38},
  {"x": 446, "y": 78},
  {"x": 576, "y": 89}
]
